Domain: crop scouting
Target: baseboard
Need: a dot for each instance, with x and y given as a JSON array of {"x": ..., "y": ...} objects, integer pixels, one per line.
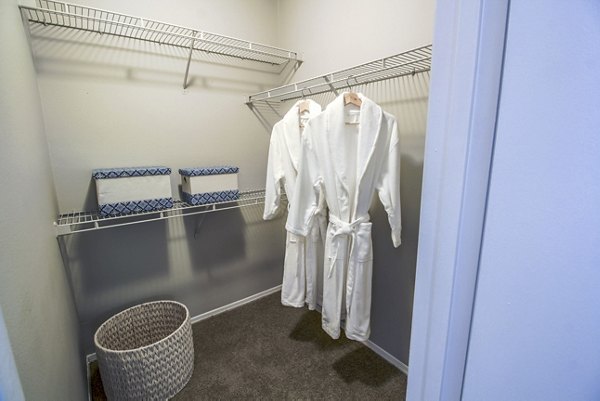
[
  {"x": 379, "y": 351},
  {"x": 89, "y": 359},
  {"x": 234, "y": 305},
  {"x": 387, "y": 356},
  {"x": 92, "y": 357},
  {"x": 195, "y": 319},
  {"x": 371, "y": 345}
]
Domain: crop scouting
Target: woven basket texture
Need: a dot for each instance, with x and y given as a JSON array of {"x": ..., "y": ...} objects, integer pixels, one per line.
[{"x": 146, "y": 352}]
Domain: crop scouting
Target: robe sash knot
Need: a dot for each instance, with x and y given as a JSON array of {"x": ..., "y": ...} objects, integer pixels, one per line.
[{"x": 343, "y": 228}]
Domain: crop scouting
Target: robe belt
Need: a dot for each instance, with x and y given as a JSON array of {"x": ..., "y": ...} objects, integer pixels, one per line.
[{"x": 343, "y": 228}]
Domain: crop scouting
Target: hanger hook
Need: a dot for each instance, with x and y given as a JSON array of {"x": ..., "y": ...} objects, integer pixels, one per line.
[
  {"x": 348, "y": 83},
  {"x": 303, "y": 94}
]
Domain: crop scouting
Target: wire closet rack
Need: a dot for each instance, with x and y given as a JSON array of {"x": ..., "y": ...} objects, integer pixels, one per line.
[
  {"x": 67, "y": 15},
  {"x": 407, "y": 63},
  {"x": 77, "y": 222}
]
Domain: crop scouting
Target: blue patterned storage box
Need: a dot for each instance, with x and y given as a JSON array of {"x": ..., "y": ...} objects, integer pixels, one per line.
[
  {"x": 127, "y": 190},
  {"x": 202, "y": 185}
]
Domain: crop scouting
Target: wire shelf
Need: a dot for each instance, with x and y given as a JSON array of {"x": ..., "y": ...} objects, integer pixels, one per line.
[
  {"x": 77, "y": 222},
  {"x": 85, "y": 18},
  {"x": 407, "y": 63}
]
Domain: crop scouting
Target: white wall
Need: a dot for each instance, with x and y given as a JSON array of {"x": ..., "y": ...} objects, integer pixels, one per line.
[
  {"x": 332, "y": 35},
  {"x": 34, "y": 292},
  {"x": 111, "y": 102},
  {"x": 536, "y": 320}
]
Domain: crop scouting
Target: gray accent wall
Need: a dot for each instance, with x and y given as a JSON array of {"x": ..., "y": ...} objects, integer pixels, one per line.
[
  {"x": 335, "y": 35},
  {"x": 203, "y": 261},
  {"x": 34, "y": 291}
]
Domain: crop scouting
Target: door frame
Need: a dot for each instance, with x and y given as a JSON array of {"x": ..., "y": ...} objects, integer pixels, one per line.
[
  {"x": 10, "y": 383},
  {"x": 468, "y": 55}
]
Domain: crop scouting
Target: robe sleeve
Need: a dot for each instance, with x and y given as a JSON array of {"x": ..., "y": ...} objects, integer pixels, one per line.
[
  {"x": 274, "y": 180},
  {"x": 307, "y": 194},
  {"x": 389, "y": 186}
]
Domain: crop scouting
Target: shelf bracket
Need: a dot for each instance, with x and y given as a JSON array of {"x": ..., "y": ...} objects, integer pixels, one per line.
[
  {"x": 273, "y": 109},
  {"x": 328, "y": 80},
  {"x": 187, "y": 67}
]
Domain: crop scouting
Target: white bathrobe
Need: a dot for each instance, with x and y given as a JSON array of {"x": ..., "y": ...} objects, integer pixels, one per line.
[
  {"x": 348, "y": 154},
  {"x": 300, "y": 264}
]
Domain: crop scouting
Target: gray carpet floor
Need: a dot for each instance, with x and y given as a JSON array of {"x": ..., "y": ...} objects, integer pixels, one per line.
[{"x": 265, "y": 351}]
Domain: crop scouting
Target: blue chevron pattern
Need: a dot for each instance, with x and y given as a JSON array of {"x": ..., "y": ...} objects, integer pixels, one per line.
[
  {"x": 197, "y": 171},
  {"x": 125, "y": 208},
  {"x": 211, "y": 197},
  {"x": 121, "y": 172}
]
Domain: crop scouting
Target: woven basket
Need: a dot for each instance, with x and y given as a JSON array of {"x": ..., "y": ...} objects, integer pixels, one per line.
[{"x": 146, "y": 352}]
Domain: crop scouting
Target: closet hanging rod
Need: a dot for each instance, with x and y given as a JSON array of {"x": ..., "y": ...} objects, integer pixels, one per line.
[
  {"x": 406, "y": 63},
  {"x": 101, "y": 21}
]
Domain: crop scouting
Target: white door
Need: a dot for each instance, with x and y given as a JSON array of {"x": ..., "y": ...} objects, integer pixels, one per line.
[
  {"x": 536, "y": 321},
  {"x": 506, "y": 304}
]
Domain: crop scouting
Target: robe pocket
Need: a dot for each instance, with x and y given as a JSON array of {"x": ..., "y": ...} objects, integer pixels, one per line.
[
  {"x": 293, "y": 238},
  {"x": 363, "y": 247}
]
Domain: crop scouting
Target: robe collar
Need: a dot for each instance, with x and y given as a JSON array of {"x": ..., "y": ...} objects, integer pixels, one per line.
[
  {"x": 368, "y": 131},
  {"x": 292, "y": 135}
]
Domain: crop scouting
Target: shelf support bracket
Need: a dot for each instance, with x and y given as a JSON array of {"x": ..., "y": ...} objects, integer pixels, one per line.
[
  {"x": 187, "y": 68},
  {"x": 328, "y": 80},
  {"x": 273, "y": 109}
]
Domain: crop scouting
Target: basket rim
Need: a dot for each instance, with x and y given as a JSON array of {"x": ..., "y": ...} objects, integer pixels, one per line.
[{"x": 104, "y": 349}]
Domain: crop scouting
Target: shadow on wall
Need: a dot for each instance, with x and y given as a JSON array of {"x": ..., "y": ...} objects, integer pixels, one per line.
[
  {"x": 91, "y": 198},
  {"x": 81, "y": 54},
  {"x": 216, "y": 239},
  {"x": 203, "y": 262},
  {"x": 106, "y": 266},
  {"x": 393, "y": 269}
]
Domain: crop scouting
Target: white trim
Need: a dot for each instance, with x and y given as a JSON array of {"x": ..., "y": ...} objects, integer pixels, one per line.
[
  {"x": 195, "y": 319},
  {"x": 203, "y": 316},
  {"x": 89, "y": 359},
  {"x": 234, "y": 305},
  {"x": 387, "y": 356},
  {"x": 369, "y": 344},
  {"x": 468, "y": 50},
  {"x": 377, "y": 349}
]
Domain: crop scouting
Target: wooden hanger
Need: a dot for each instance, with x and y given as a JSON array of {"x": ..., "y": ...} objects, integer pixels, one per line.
[
  {"x": 303, "y": 106},
  {"x": 352, "y": 98}
]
